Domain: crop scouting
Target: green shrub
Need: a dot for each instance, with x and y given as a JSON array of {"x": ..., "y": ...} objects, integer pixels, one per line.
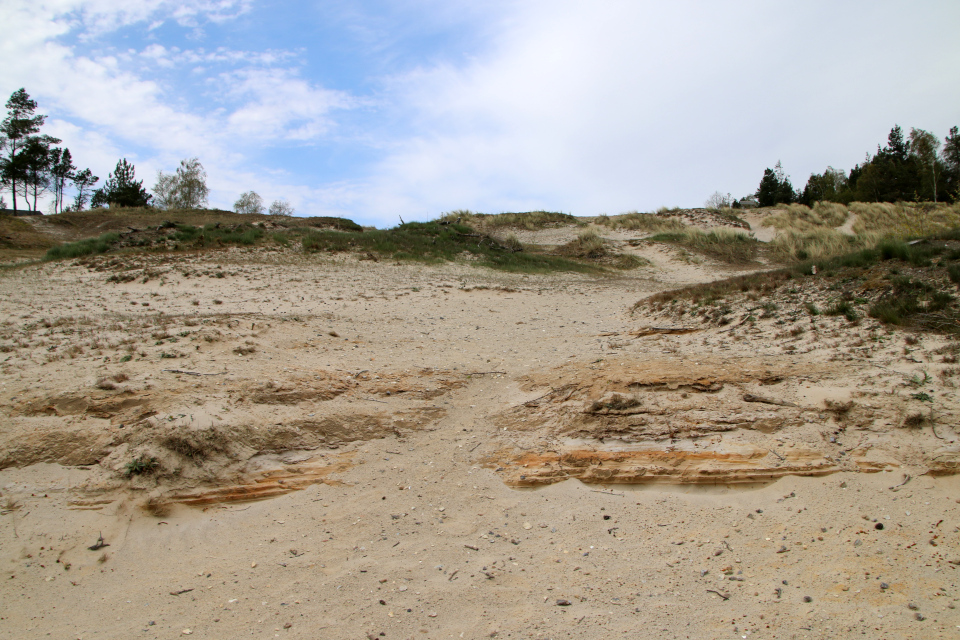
[
  {"x": 143, "y": 464},
  {"x": 845, "y": 309},
  {"x": 82, "y": 248},
  {"x": 432, "y": 242},
  {"x": 953, "y": 271}
]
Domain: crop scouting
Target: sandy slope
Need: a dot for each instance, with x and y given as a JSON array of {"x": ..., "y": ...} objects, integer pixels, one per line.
[{"x": 389, "y": 410}]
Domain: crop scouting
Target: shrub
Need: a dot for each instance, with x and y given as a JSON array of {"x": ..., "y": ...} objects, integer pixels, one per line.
[
  {"x": 588, "y": 244},
  {"x": 725, "y": 245},
  {"x": 636, "y": 221},
  {"x": 845, "y": 309},
  {"x": 90, "y": 246},
  {"x": 141, "y": 465}
]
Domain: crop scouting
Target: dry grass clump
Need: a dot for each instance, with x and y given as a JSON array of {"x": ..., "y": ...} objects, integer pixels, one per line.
[
  {"x": 588, "y": 244},
  {"x": 799, "y": 217},
  {"x": 198, "y": 445},
  {"x": 529, "y": 220},
  {"x": 245, "y": 349},
  {"x": 108, "y": 383},
  {"x": 916, "y": 421},
  {"x": 723, "y": 245},
  {"x": 815, "y": 244},
  {"x": 904, "y": 219},
  {"x": 158, "y": 507},
  {"x": 636, "y": 221}
]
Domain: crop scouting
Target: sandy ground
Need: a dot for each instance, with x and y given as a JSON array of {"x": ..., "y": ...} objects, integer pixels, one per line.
[{"x": 452, "y": 452}]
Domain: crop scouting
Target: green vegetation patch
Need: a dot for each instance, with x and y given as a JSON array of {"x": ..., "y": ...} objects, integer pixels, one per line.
[
  {"x": 724, "y": 245},
  {"x": 901, "y": 284},
  {"x": 530, "y": 220},
  {"x": 82, "y": 248},
  {"x": 433, "y": 242}
]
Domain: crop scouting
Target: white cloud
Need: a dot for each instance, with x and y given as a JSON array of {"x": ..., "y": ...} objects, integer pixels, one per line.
[
  {"x": 564, "y": 105},
  {"x": 280, "y": 105},
  {"x": 611, "y": 106},
  {"x": 125, "y": 103}
]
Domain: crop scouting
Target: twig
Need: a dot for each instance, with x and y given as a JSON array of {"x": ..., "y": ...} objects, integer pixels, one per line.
[
  {"x": 647, "y": 331},
  {"x": 176, "y": 593},
  {"x": 933, "y": 428},
  {"x": 551, "y": 392},
  {"x": 609, "y": 493},
  {"x": 776, "y": 454},
  {"x": 475, "y": 446},
  {"x": 749, "y": 397},
  {"x": 725, "y": 598},
  {"x": 455, "y": 572},
  {"x": 192, "y": 373},
  {"x": 396, "y": 453},
  {"x": 100, "y": 544},
  {"x": 906, "y": 479},
  {"x": 372, "y": 400},
  {"x": 484, "y": 373},
  {"x": 470, "y": 546}
]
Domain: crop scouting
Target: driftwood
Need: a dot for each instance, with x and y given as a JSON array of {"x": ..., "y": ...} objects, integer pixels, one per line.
[
  {"x": 192, "y": 373},
  {"x": 749, "y": 397},
  {"x": 649, "y": 331}
]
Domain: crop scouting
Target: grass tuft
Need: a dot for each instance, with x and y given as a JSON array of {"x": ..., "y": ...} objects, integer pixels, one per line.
[
  {"x": 723, "y": 245},
  {"x": 432, "y": 242}
]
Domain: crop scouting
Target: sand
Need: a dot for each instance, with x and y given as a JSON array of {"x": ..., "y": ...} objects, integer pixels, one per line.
[{"x": 344, "y": 448}]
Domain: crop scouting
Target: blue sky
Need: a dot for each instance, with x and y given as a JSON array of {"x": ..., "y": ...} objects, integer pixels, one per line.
[{"x": 374, "y": 110}]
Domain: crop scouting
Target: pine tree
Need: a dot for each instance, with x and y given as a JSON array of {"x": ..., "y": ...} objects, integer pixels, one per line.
[
  {"x": 62, "y": 170},
  {"x": 121, "y": 189},
  {"x": 767, "y": 191},
  {"x": 775, "y": 187},
  {"x": 16, "y": 130},
  {"x": 951, "y": 160}
]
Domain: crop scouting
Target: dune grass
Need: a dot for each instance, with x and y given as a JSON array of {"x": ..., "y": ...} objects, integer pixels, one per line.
[
  {"x": 589, "y": 246},
  {"x": 636, "y": 221},
  {"x": 905, "y": 219},
  {"x": 432, "y": 242},
  {"x": 815, "y": 244},
  {"x": 81, "y": 248},
  {"x": 916, "y": 292},
  {"x": 724, "y": 245},
  {"x": 801, "y": 218},
  {"x": 530, "y": 220}
]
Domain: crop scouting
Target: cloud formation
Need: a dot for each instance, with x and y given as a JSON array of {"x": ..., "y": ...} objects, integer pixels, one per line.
[{"x": 374, "y": 109}]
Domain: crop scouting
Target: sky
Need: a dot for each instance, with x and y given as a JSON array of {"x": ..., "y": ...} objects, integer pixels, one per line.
[{"x": 373, "y": 110}]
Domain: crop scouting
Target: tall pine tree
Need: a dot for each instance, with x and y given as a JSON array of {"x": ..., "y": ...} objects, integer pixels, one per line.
[
  {"x": 16, "y": 131},
  {"x": 121, "y": 189}
]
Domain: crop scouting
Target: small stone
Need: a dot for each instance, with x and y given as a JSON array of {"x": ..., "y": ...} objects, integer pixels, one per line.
[
  {"x": 884, "y": 586},
  {"x": 912, "y": 606},
  {"x": 253, "y": 565},
  {"x": 563, "y": 603},
  {"x": 878, "y": 526},
  {"x": 919, "y": 616},
  {"x": 527, "y": 525},
  {"x": 807, "y": 599},
  {"x": 432, "y": 615},
  {"x": 287, "y": 625}
]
